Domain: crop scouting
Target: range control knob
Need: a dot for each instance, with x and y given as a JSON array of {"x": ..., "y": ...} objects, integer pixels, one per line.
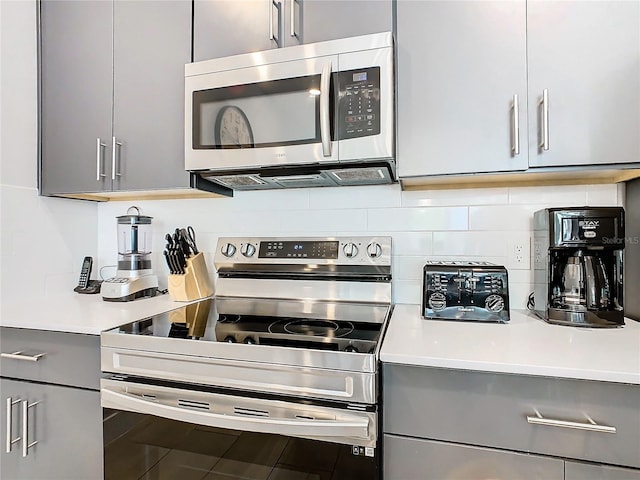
[
  {"x": 350, "y": 250},
  {"x": 248, "y": 249},
  {"x": 351, "y": 348},
  {"x": 249, "y": 341},
  {"x": 228, "y": 249},
  {"x": 230, "y": 339},
  {"x": 374, "y": 250}
]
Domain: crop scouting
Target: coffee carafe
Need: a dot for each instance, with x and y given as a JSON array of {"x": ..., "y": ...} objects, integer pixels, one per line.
[{"x": 578, "y": 265}]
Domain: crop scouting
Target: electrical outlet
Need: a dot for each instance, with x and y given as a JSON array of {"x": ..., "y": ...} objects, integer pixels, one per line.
[{"x": 520, "y": 252}]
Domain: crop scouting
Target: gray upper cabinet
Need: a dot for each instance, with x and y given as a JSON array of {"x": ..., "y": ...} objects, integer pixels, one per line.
[
  {"x": 586, "y": 54},
  {"x": 460, "y": 66},
  {"x": 112, "y": 103},
  {"x": 76, "y": 95},
  {"x": 461, "y": 63},
  {"x": 151, "y": 47},
  {"x": 231, "y": 27},
  {"x": 309, "y": 21}
]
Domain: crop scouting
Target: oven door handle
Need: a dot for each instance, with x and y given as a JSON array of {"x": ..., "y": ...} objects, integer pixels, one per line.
[{"x": 349, "y": 426}]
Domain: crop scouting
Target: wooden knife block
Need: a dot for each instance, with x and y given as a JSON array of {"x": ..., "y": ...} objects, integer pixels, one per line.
[{"x": 193, "y": 284}]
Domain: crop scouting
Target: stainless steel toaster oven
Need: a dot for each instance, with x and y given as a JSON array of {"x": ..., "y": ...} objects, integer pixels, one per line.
[{"x": 473, "y": 291}]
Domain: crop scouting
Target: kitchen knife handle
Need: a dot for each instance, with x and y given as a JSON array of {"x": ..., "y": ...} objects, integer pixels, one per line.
[
  {"x": 551, "y": 422},
  {"x": 100, "y": 159},
  {"x": 544, "y": 102},
  {"x": 515, "y": 135},
  {"x": 25, "y": 427},
  {"x": 292, "y": 17},
  {"x": 10, "y": 442},
  {"x": 325, "y": 125},
  {"x": 115, "y": 155}
]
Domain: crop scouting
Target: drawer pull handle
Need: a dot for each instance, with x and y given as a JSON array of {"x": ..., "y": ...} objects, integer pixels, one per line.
[
  {"x": 20, "y": 356},
  {"x": 591, "y": 426}
]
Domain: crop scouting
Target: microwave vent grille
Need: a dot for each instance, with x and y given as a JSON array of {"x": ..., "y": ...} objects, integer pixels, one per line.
[
  {"x": 356, "y": 176},
  {"x": 239, "y": 181}
]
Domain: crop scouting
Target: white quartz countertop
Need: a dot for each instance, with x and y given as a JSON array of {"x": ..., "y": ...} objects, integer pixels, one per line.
[
  {"x": 526, "y": 345},
  {"x": 75, "y": 313}
]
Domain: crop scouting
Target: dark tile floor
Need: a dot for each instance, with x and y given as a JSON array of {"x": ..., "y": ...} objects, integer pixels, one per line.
[{"x": 160, "y": 449}]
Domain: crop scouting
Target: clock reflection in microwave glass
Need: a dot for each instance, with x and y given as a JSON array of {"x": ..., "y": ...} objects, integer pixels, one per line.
[{"x": 233, "y": 129}]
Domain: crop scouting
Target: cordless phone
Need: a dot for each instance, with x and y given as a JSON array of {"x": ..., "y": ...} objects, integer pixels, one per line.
[{"x": 84, "y": 284}]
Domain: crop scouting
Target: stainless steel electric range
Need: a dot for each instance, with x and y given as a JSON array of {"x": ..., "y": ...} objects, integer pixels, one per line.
[{"x": 276, "y": 377}]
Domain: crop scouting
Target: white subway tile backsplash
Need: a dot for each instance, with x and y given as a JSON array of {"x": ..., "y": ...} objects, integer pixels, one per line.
[
  {"x": 418, "y": 219},
  {"x": 424, "y": 225},
  {"x": 379, "y": 196},
  {"x": 470, "y": 243},
  {"x": 602, "y": 196},
  {"x": 502, "y": 217},
  {"x": 412, "y": 243},
  {"x": 463, "y": 197},
  {"x": 557, "y": 195}
]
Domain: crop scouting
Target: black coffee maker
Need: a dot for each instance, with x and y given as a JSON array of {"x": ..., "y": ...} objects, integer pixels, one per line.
[{"x": 578, "y": 264}]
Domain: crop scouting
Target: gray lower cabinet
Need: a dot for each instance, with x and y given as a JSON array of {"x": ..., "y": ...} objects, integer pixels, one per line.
[
  {"x": 418, "y": 459},
  {"x": 230, "y": 27},
  {"x": 112, "y": 95},
  {"x": 65, "y": 422},
  {"x": 590, "y": 471},
  {"x": 51, "y": 413},
  {"x": 595, "y": 426}
]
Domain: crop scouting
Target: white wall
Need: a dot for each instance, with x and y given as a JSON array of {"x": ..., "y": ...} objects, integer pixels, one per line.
[
  {"x": 42, "y": 240},
  {"x": 475, "y": 224}
]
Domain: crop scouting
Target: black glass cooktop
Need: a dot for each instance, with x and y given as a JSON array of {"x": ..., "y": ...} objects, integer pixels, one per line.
[{"x": 323, "y": 326}]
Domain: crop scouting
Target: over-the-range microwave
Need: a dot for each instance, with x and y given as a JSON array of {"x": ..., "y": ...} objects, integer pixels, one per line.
[{"x": 319, "y": 114}]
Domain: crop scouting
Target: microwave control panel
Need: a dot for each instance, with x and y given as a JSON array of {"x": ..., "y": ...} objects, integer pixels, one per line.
[{"x": 358, "y": 103}]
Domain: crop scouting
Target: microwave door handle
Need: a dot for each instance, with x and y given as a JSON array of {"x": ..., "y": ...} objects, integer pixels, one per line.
[
  {"x": 325, "y": 124},
  {"x": 351, "y": 427}
]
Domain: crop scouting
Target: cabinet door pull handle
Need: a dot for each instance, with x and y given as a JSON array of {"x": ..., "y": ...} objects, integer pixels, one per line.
[
  {"x": 325, "y": 124},
  {"x": 20, "y": 356},
  {"x": 272, "y": 36},
  {"x": 115, "y": 154},
  {"x": 292, "y": 17},
  {"x": 100, "y": 159},
  {"x": 544, "y": 102},
  {"x": 515, "y": 139},
  {"x": 591, "y": 426},
  {"x": 10, "y": 442},
  {"x": 25, "y": 427}
]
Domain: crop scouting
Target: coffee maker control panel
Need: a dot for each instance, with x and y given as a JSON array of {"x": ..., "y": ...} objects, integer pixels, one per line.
[{"x": 598, "y": 227}]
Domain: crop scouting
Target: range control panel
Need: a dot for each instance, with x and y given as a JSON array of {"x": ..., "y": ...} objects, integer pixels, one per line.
[
  {"x": 333, "y": 250},
  {"x": 358, "y": 103}
]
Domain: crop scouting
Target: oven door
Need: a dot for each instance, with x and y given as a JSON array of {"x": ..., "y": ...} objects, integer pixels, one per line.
[
  {"x": 175, "y": 431},
  {"x": 265, "y": 115}
]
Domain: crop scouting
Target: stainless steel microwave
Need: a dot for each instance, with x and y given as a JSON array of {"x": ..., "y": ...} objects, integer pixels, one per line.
[{"x": 311, "y": 115}]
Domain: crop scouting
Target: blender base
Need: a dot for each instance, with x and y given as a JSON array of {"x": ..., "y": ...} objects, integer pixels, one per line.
[{"x": 122, "y": 289}]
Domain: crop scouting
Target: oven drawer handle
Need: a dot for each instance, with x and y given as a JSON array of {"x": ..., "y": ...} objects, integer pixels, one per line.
[
  {"x": 353, "y": 427},
  {"x": 551, "y": 422}
]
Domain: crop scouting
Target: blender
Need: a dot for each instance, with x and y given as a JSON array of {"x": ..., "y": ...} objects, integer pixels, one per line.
[{"x": 134, "y": 277}]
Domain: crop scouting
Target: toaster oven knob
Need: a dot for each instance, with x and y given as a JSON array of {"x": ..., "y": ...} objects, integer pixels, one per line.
[
  {"x": 248, "y": 249},
  {"x": 228, "y": 249},
  {"x": 374, "y": 250},
  {"x": 350, "y": 250},
  {"x": 494, "y": 303}
]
